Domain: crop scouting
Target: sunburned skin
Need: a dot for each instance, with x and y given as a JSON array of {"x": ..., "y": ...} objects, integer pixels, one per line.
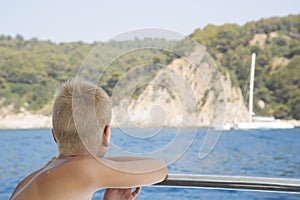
[{"x": 79, "y": 177}]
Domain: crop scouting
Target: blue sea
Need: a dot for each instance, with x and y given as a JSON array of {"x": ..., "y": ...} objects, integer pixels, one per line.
[{"x": 265, "y": 153}]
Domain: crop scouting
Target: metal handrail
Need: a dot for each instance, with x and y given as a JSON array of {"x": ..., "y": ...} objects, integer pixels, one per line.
[{"x": 233, "y": 182}]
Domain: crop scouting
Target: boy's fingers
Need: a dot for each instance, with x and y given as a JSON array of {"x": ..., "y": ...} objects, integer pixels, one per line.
[{"x": 136, "y": 192}]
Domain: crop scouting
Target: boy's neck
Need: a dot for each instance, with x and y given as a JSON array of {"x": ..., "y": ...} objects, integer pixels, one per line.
[{"x": 65, "y": 156}]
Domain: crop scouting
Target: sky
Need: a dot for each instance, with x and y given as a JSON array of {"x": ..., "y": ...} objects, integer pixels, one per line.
[{"x": 97, "y": 20}]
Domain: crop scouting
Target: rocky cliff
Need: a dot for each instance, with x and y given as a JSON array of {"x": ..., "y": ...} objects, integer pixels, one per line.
[{"x": 188, "y": 92}]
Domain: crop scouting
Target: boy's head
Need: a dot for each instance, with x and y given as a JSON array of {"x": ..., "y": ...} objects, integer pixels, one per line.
[{"x": 81, "y": 117}]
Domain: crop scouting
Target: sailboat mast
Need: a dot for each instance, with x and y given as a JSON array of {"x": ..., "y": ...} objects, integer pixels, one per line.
[{"x": 251, "y": 87}]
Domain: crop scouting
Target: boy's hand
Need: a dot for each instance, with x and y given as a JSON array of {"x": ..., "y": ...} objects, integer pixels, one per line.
[{"x": 121, "y": 194}]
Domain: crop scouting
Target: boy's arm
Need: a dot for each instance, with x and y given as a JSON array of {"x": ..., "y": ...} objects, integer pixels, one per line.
[
  {"x": 126, "y": 158},
  {"x": 106, "y": 173}
]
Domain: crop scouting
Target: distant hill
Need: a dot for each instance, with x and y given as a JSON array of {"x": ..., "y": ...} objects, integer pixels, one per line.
[
  {"x": 31, "y": 69},
  {"x": 276, "y": 42}
]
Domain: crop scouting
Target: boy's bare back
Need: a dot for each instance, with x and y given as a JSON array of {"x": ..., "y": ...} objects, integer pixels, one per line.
[
  {"x": 56, "y": 180},
  {"x": 79, "y": 177}
]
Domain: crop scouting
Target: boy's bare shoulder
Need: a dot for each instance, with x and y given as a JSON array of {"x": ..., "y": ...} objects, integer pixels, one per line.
[
  {"x": 77, "y": 175},
  {"x": 88, "y": 167},
  {"x": 85, "y": 163},
  {"x": 89, "y": 162},
  {"x": 89, "y": 171}
]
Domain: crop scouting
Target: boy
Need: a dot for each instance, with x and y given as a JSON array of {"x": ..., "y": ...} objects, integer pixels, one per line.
[{"x": 81, "y": 128}]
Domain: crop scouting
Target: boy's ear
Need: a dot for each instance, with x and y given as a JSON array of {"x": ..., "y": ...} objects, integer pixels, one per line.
[
  {"x": 106, "y": 136},
  {"x": 53, "y": 135}
]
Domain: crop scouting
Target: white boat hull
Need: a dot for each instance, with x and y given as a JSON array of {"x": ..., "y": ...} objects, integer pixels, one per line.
[{"x": 264, "y": 125}]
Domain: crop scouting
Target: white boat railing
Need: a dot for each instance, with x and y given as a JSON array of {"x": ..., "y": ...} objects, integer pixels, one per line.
[{"x": 233, "y": 182}]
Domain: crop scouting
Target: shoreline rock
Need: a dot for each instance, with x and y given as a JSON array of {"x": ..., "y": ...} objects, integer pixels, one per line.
[
  {"x": 36, "y": 121},
  {"x": 25, "y": 121}
]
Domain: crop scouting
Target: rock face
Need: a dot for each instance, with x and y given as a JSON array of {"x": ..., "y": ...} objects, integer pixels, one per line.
[
  {"x": 23, "y": 119},
  {"x": 185, "y": 95},
  {"x": 236, "y": 110}
]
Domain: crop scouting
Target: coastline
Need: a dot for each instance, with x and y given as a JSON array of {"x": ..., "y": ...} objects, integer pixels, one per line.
[{"x": 26, "y": 120}]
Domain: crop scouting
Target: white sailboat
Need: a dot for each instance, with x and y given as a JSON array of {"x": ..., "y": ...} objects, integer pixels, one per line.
[{"x": 259, "y": 122}]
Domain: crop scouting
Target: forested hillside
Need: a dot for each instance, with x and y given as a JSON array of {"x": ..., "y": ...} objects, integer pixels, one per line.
[
  {"x": 276, "y": 41},
  {"x": 31, "y": 69}
]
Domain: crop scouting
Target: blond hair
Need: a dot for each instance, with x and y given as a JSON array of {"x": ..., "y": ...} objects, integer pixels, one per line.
[{"x": 81, "y": 110}]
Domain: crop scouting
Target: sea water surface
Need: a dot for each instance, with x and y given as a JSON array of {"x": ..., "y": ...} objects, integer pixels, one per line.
[{"x": 266, "y": 153}]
